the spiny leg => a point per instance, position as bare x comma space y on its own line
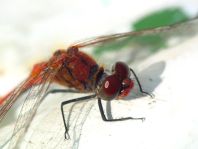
140, 87
114, 120
70, 101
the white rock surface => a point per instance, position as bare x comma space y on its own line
171, 118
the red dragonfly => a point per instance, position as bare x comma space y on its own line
75, 69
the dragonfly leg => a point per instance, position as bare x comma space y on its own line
114, 120
54, 91
62, 111
140, 87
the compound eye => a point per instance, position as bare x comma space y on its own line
111, 87
121, 70
127, 85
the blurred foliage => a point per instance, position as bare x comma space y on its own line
163, 17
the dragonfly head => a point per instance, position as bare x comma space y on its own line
118, 84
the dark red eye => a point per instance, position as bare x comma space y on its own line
111, 87
121, 70
127, 85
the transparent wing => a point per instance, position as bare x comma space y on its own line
11, 98
190, 27
32, 102
49, 132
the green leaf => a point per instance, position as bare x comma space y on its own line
163, 17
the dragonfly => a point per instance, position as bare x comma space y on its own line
73, 68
